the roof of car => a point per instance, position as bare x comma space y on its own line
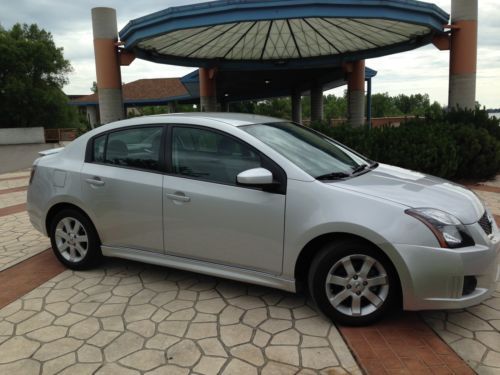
235, 119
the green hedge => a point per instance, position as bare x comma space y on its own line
459, 145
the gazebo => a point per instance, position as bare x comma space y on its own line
255, 48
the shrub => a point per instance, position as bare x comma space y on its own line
454, 145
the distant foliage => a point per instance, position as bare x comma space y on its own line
32, 73
460, 144
335, 107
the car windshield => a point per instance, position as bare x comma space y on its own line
313, 152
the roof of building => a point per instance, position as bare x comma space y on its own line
159, 91
145, 91
282, 34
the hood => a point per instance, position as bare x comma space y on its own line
417, 190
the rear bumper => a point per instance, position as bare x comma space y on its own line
35, 212
434, 278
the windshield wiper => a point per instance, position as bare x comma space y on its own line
359, 168
333, 176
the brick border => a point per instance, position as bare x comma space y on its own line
27, 275
402, 345
10, 210
14, 178
13, 190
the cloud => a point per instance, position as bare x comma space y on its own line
421, 71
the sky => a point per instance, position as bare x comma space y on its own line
424, 70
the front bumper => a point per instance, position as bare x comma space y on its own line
433, 278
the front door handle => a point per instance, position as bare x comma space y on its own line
180, 197
96, 181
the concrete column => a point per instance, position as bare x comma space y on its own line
91, 112
317, 102
172, 108
356, 94
369, 102
463, 54
296, 106
107, 65
208, 92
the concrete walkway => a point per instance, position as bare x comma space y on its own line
16, 157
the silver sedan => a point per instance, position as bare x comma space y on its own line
265, 201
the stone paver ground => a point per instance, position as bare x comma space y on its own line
19, 240
133, 318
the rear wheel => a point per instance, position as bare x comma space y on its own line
74, 240
352, 282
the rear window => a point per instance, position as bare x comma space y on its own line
134, 148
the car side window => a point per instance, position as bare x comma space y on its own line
135, 148
210, 156
99, 147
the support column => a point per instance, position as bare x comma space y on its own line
369, 102
208, 93
172, 107
91, 115
317, 102
109, 82
463, 54
356, 94
296, 106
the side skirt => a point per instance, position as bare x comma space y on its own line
212, 269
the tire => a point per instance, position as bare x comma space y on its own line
352, 282
74, 240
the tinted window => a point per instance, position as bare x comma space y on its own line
210, 156
99, 144
136, 148
311, 151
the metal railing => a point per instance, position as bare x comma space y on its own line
60, 134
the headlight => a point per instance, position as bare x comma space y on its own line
449, 231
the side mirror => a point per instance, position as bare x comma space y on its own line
256, 176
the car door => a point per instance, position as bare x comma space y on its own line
122, 187
207, 216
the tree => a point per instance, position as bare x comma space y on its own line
94, 87
384, 105
32, 73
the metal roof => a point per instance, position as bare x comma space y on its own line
277, 33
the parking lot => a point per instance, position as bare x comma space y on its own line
131, 318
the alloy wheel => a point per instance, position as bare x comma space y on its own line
357, 285
71, 239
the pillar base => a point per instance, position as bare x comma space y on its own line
317, 103
296, 107
208, 104
356, 108
110, 105
463, 91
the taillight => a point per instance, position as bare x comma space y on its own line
32, 174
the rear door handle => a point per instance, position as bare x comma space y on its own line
96, 181
180, 197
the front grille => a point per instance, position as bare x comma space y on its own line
486, 224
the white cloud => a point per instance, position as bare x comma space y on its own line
421, 71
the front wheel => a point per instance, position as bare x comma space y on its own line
74, 240
352, 282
